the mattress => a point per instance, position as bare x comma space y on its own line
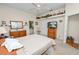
34, 44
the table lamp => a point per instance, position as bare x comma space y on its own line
2, 31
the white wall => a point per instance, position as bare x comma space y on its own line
60, 27
11, 14
72, 8
73, 27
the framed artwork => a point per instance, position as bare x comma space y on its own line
60, 20
3, 23
36, 23
25, 23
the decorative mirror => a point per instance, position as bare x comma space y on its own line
16, 24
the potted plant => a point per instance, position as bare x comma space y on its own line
70, 39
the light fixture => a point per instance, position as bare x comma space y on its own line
38, 5
3, 30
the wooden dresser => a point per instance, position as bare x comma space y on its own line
51, 33
16, 34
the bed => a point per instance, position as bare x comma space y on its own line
34, 45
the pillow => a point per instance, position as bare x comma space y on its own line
11, 44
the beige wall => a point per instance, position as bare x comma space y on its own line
11, 14
73, 27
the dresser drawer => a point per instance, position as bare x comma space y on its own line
22, 33
18, 33
52, 33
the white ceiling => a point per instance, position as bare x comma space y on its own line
33, 9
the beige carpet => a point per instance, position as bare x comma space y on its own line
64, 49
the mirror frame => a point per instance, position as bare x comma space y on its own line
16, 22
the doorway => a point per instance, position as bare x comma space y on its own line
31, 27
73, 27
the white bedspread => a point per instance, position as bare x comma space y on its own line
34, 44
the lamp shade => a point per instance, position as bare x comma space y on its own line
2, 30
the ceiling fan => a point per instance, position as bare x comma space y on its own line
36, 5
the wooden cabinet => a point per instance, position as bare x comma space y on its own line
51, 33
14, 34
22, 33
72, 43
18, 33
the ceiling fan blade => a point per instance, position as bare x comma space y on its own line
34, 4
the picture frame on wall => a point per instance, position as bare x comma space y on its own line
3, 23
25, 23
36, 23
